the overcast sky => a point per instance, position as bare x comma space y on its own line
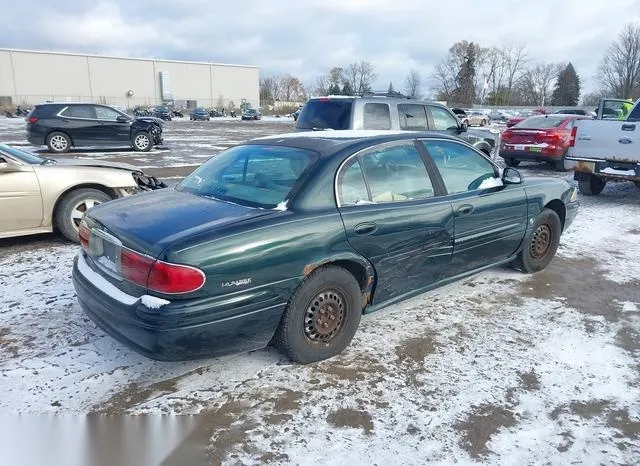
307, 37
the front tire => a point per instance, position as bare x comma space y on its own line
541, 244
58, 142
483, 122
510, 162
321, 317
142, 141
72, 208
592, 186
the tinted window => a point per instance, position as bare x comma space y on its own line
461, 168
635, 114
326, 114
377, 116
80, 111
412, 117
104, 113
351, 185
442, 120
541, 122
396, 174
254, 175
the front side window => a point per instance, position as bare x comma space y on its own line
396, 173
462, 169
253, 175
377, 116
442, 119
104, 113
412, 117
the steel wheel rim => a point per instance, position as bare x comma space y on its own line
80, 209
324, 317
58, 142
141, 141
541, 241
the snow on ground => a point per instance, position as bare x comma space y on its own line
501, 367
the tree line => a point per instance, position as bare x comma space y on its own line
472, 74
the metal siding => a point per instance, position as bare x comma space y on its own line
235, 84
7, 86
111, 78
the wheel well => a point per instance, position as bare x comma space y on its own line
108, 191
354, 268
558, 207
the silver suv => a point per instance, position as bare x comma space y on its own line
375, 112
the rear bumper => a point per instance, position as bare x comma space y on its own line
528, 155
609, 169
35, 137
182, 329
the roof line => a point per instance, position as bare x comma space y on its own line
72, 54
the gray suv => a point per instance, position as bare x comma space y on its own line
385, 113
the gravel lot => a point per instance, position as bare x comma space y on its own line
501, 368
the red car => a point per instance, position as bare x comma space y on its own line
543, 138
515, 120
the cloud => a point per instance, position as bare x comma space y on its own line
307, 38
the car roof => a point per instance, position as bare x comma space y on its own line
329, 142
379, 98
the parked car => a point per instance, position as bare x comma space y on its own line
385, 112
500, 116
61, 126
38, 195
523, 115
542, 138
476, 118
605, 150
575, 111
290, 238
199, 114
251, 114
162, 112
296, 113
462, 115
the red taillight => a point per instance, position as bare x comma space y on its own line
174, 278
135, 267
572, 139
159, 276
32, 119
83, 234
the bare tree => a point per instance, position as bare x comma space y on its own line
269, 89
514, 61
292, 89
445, 80
536, 84
413, 84
322, 85
359, 76
620, 68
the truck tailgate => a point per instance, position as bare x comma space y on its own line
607, 139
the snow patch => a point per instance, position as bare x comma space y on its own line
102, 284
490, 183
282, 206
153, 302
613, 171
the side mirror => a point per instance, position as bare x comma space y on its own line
122, 119
511, 176
464, 126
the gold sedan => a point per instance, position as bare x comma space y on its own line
42, 195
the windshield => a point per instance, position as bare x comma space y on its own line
325, 114
253, 175
26, 157
541, 122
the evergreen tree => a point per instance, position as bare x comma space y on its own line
346, 89
334, 89
465, 93
390, 90
567, 89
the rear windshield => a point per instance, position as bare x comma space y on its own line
325, 114
541, 122
253, 175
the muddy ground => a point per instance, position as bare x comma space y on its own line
499, 368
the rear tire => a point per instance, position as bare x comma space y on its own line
591, 186
58, 142
559, 165
541, 244
483, 122
72, 207
510, 162
321, 317
142, 141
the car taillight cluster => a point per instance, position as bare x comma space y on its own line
159, 276
572, 139
32, 119
83, 234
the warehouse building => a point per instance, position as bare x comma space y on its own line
30, 77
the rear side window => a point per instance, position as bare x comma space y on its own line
351, 185
377, 116
412, 117
79, 111
326, 114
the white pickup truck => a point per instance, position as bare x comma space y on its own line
606, 148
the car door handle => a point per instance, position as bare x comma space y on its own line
628, 127
464, 209
365, 228
625, 141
